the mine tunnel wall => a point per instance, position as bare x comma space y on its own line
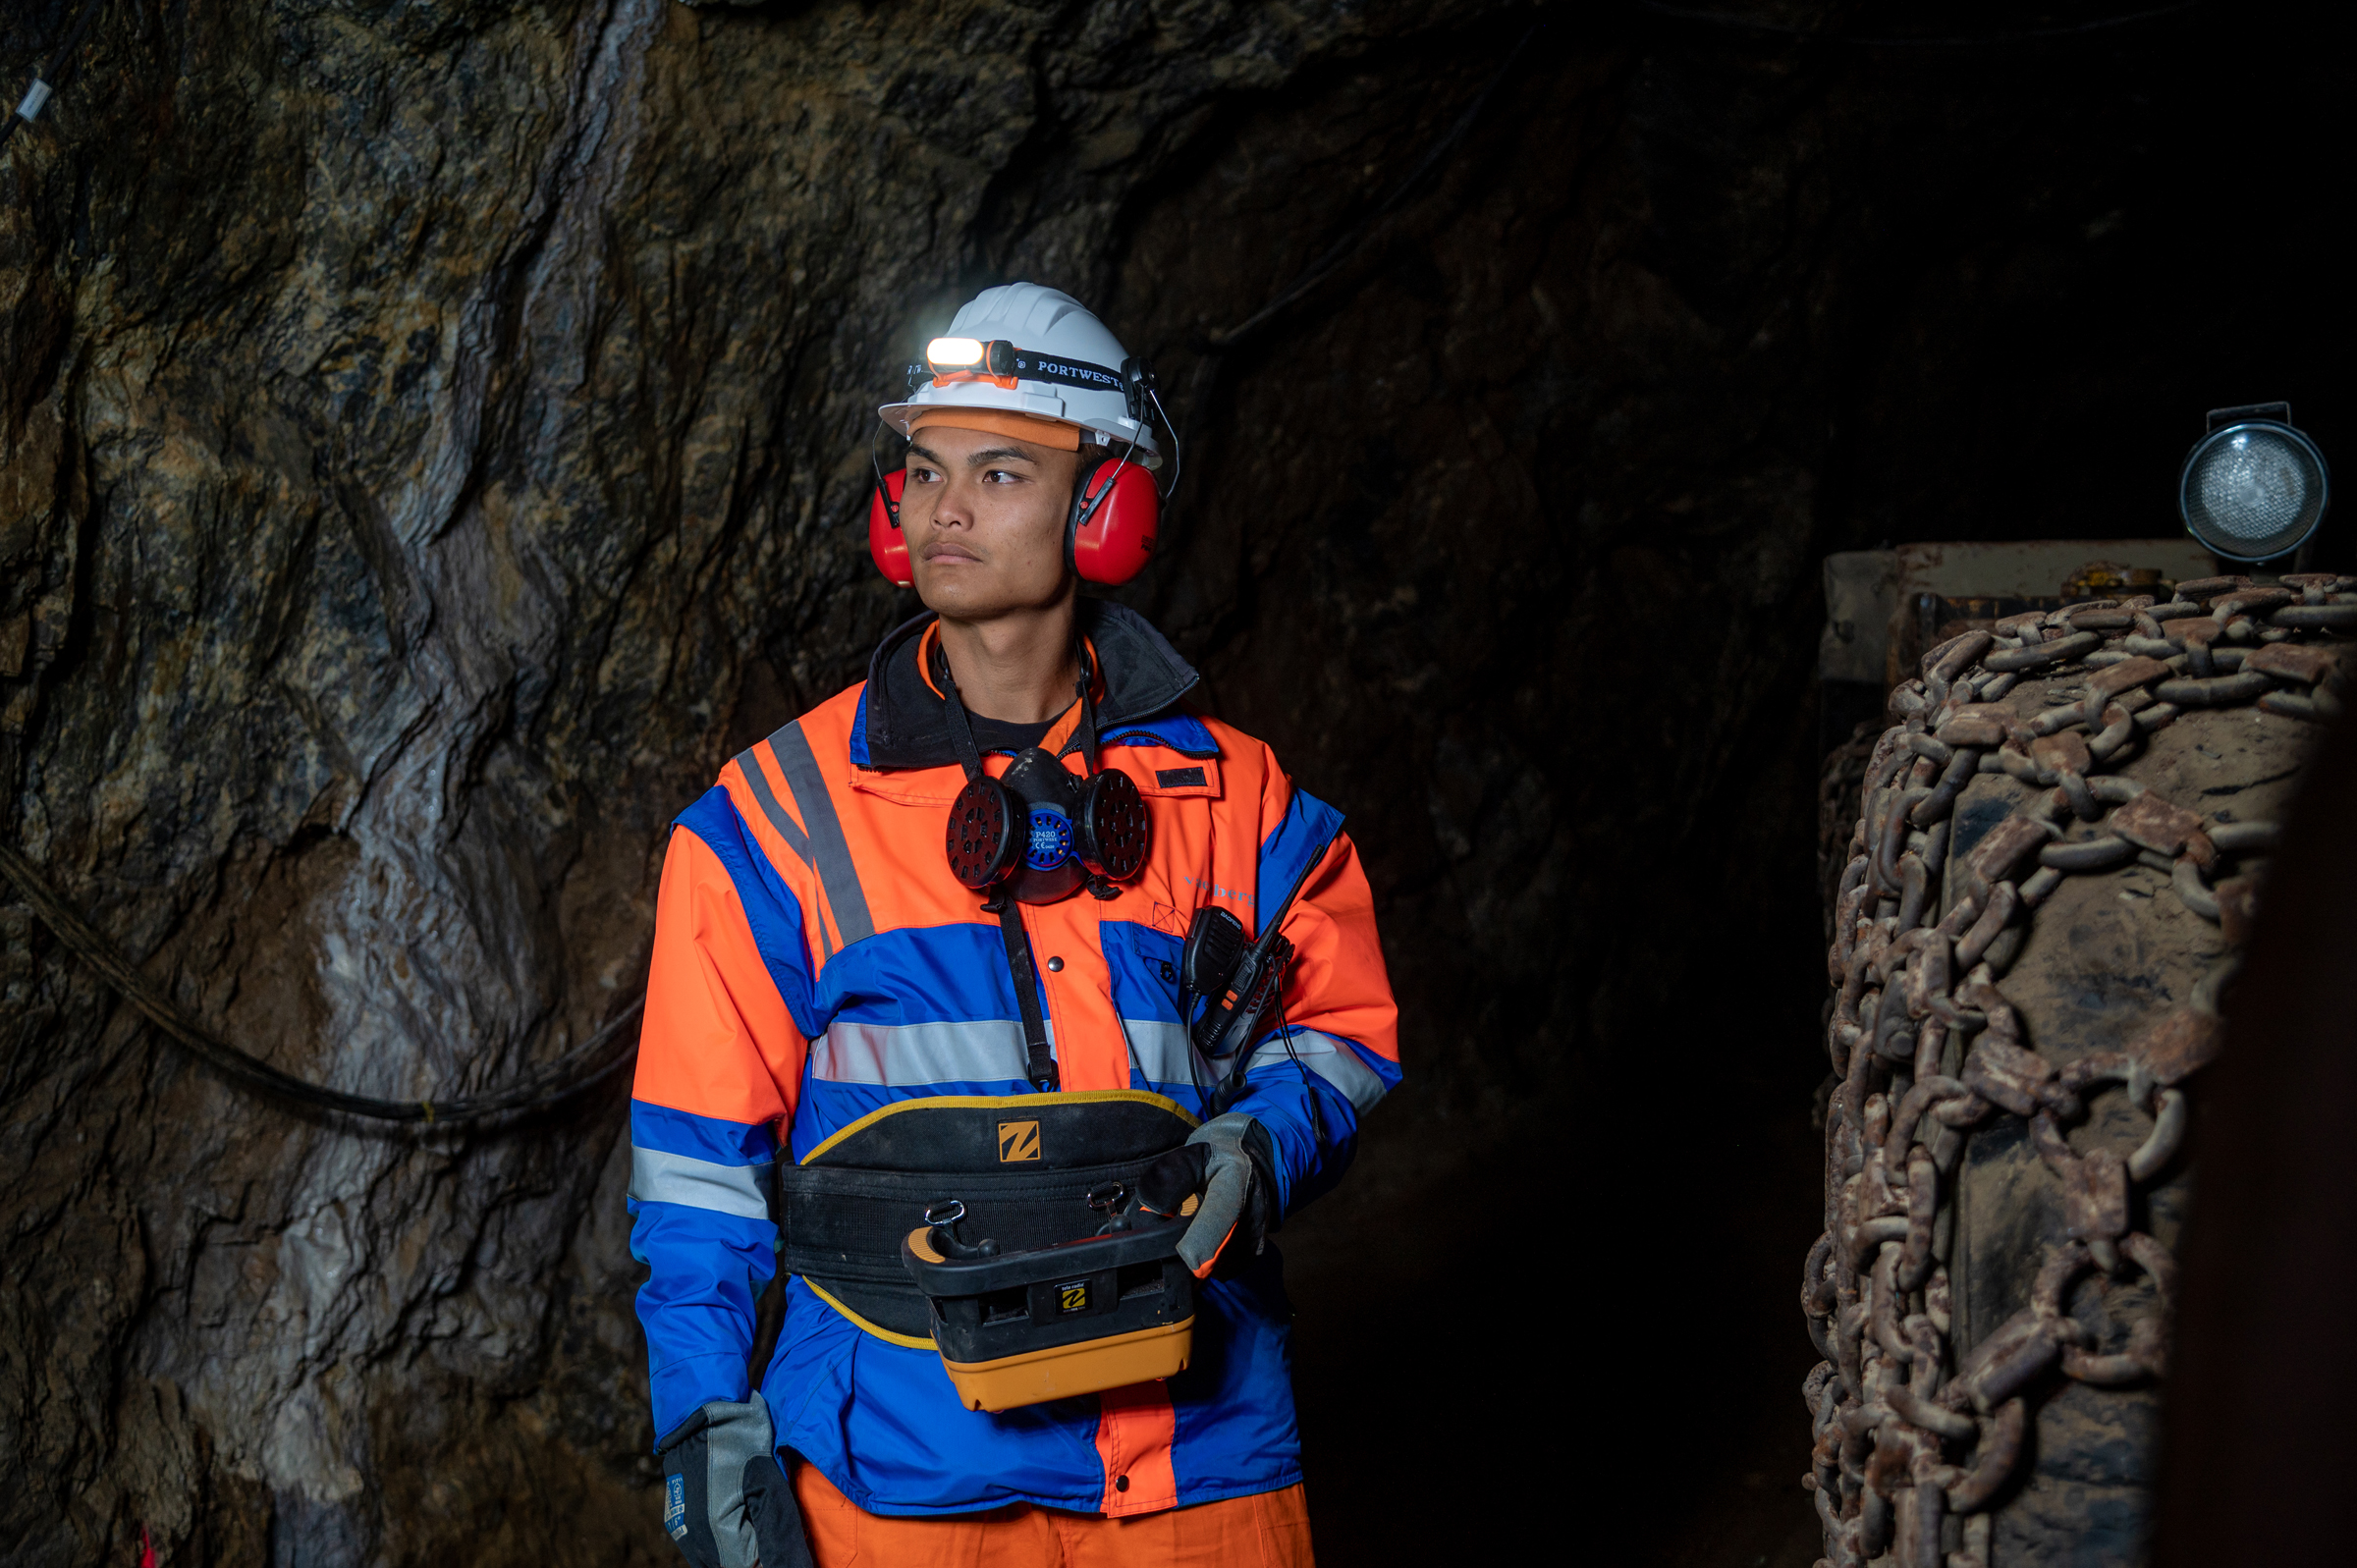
436, 435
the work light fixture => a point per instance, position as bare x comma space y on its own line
2254, 488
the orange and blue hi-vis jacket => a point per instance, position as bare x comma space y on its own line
815, 960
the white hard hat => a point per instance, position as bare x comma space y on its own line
1022, 348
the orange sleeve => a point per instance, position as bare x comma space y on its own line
720, 1039
1336, 982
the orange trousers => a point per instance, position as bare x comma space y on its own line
1269, 1531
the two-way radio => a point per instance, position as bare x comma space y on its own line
1238, 980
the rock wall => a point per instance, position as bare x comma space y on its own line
433, 434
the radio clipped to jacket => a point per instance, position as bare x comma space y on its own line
1235, 980
1234, 983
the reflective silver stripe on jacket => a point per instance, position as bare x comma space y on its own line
830, 850
824, 848
1330, 1058
905, 1056
1160, 1051
657, 1177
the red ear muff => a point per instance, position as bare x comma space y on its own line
887, 545
1114, 520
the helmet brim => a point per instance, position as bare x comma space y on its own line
1036, 398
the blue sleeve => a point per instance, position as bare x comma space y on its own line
701, 1221
726, 1032
1295, 1089
1315, 1071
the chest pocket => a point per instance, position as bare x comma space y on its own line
1151, 968
1160, 771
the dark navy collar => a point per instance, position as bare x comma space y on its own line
904, 723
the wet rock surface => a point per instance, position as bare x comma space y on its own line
433, 435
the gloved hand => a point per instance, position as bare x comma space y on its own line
725, 1500
1230, 1162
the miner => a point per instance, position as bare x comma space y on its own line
1027, 997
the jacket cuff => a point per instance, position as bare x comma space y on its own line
1286, 1104
683, 1388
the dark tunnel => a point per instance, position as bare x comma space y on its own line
435, 436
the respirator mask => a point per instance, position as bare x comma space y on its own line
1039, 833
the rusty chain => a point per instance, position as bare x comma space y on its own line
1925, 1046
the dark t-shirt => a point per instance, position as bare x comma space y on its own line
996, 734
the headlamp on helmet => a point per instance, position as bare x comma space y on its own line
1037, 354
960, 358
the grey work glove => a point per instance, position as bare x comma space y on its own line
1231, 1163
726, 1501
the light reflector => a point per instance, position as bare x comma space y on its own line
2253, 490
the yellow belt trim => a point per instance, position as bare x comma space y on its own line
878, 1329
1083, 1096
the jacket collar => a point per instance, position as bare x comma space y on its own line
905, 724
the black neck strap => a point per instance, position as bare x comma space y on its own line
1039, 1062
1088, 707
961, 730
962, 727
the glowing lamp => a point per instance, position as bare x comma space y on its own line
2254, 488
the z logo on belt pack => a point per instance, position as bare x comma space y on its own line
1017, 1141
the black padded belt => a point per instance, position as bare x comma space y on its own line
1025, 1168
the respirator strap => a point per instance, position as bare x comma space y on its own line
1088, 709
961, 730
1098, 887
1039, 1062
